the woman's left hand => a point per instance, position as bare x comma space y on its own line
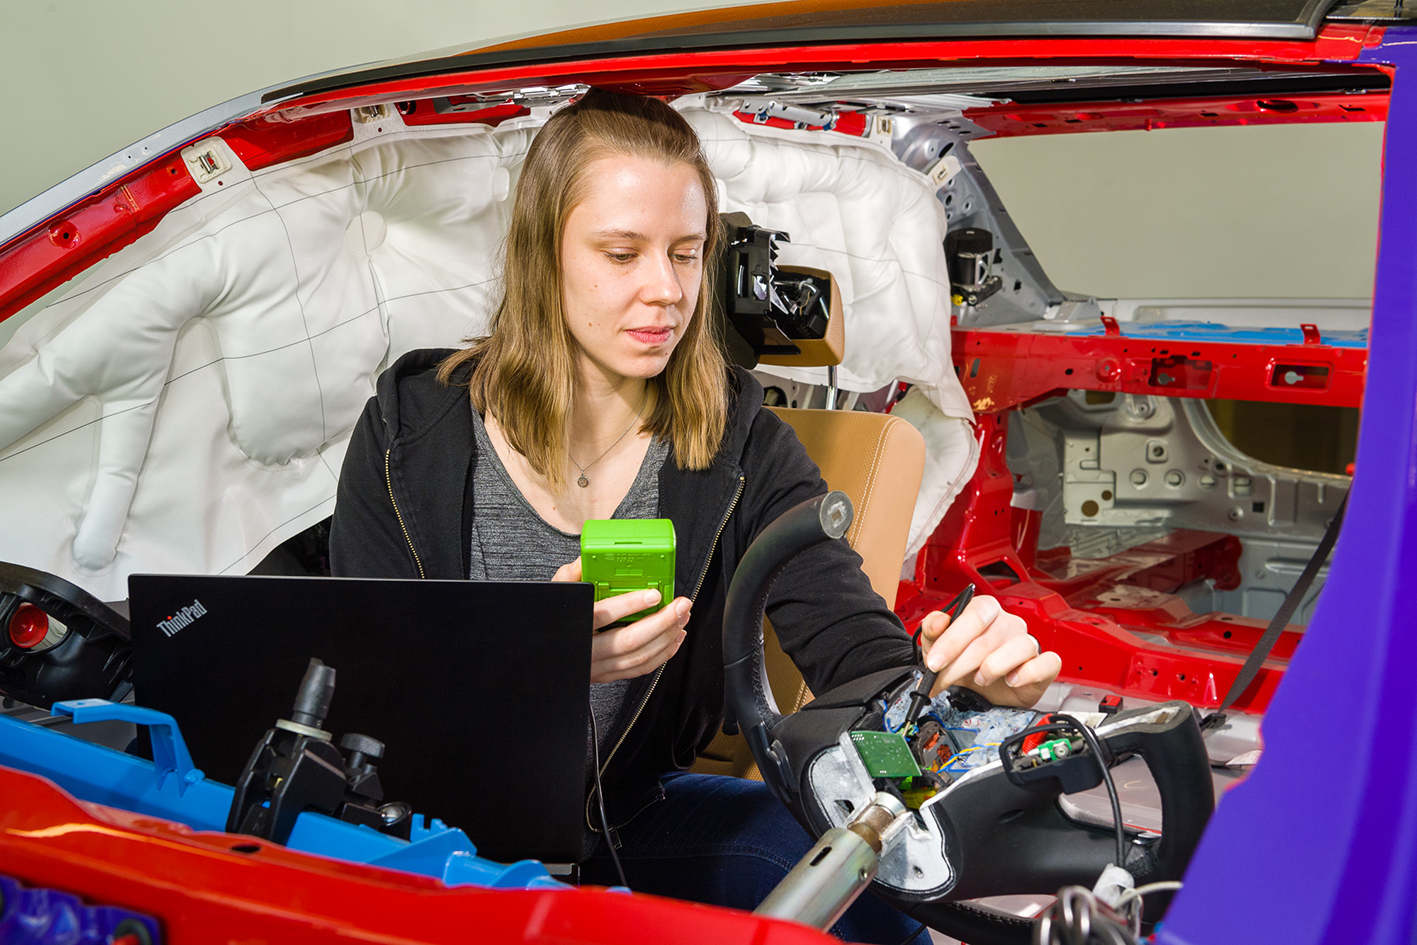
990, 651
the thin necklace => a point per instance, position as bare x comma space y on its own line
583, 481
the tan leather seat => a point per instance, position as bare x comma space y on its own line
878, 461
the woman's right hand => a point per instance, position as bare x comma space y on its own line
637, 648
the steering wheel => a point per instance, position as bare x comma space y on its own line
997, 829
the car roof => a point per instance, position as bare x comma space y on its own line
804, 22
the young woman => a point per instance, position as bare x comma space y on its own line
601, 392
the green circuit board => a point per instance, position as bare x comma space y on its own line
885, 754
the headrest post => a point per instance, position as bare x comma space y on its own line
831, 387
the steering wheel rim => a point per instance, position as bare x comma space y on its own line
748, 697
1172, 749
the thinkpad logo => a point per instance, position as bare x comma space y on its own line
183, 618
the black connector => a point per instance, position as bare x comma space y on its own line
312, 702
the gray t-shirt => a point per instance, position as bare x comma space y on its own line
512, 542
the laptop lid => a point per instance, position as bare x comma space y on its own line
478, 690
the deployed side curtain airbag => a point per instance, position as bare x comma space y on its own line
187, 406
852, 208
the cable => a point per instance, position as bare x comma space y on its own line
1130, 896
1091, 740
1078, 918
885, 719
964, 751
600, 799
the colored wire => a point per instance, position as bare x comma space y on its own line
600, 800
1091, 739
885, 718
950, 765
1130, 901
954, 759
965, 751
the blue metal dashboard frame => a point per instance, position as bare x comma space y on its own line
171, 788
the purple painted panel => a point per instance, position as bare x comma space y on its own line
1319, 843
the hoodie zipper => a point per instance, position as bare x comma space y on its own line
660, 671
389, 480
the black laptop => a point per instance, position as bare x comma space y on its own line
479, 690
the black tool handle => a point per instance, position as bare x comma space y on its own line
921, 695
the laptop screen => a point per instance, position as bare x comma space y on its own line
478, 690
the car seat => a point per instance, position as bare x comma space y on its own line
876, 459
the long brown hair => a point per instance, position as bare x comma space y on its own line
524, 369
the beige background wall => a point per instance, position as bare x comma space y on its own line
83, 78
1280, 211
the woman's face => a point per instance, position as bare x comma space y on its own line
631, 264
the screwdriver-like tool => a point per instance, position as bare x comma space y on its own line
920, 695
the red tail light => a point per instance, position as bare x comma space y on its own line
28, 626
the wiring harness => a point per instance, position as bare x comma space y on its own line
1080, 917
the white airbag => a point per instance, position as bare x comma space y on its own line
187, 407
853, 209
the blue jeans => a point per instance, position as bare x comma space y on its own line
727, 842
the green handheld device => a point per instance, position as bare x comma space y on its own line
619, 555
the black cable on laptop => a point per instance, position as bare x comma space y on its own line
600, 799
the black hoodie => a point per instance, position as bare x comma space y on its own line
405, 506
